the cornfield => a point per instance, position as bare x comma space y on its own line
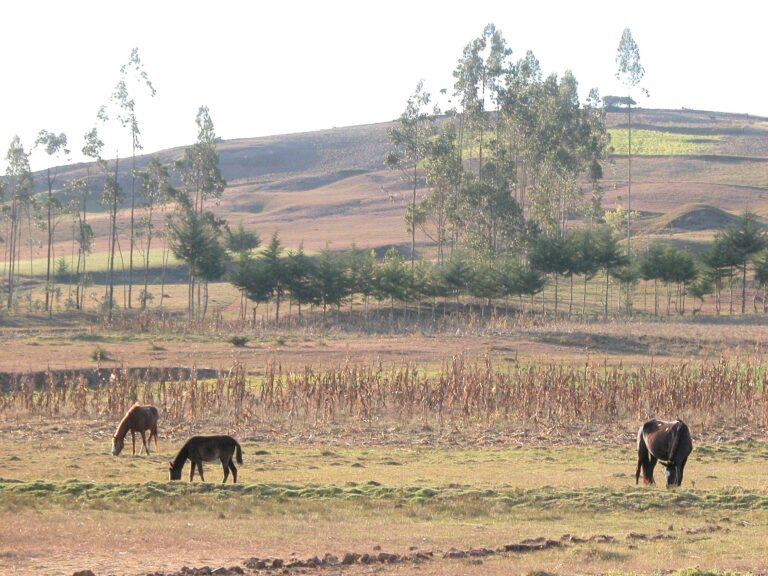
460, 393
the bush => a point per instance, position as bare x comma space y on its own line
99, 354
238, 341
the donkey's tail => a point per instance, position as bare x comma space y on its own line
239, 453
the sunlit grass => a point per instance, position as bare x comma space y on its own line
97, 262
658, 143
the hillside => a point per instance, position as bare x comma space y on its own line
330, 186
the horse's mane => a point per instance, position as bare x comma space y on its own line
122, 427
181, 457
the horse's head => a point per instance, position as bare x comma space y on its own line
117, 445
173, 473
672, 475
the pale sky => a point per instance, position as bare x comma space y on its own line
284, 66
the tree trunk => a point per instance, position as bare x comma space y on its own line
113, 242
48, 303
743, 287
730, 292
133, 205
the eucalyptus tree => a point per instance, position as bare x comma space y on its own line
410, 138
19, 184
200, 177
132, 72
199, 167
630, 73
92, 148
55, 146
77, 189
438, 210
157, 190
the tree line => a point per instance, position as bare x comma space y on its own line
572, 264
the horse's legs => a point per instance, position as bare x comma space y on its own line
192, 470
642, 457
154, 433
643, 460
144, 443
234, 471
649, 471
226, 471
133, 438
680, 471
200, 470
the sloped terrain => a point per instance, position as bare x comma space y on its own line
330, 187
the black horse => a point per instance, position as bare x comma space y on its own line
666, 442
199, 449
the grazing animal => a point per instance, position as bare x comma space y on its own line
138, 419
199, 449
666, 442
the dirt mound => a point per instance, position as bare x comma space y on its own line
692, 218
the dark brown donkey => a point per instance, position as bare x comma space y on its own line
199, 449
667, 442
138, 419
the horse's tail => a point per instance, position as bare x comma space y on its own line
642, 455
239, 452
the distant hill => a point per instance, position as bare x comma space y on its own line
695, 168
690, 218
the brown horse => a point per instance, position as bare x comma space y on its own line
199, 449
137, 419
667, 442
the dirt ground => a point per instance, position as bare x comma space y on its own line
629, 343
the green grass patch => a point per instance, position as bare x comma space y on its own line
450, 499
99, 262
660, 143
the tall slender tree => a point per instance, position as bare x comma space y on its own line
131, 72
55, 146
19, 189
156, 189
629, 72
411, 138
201, 178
